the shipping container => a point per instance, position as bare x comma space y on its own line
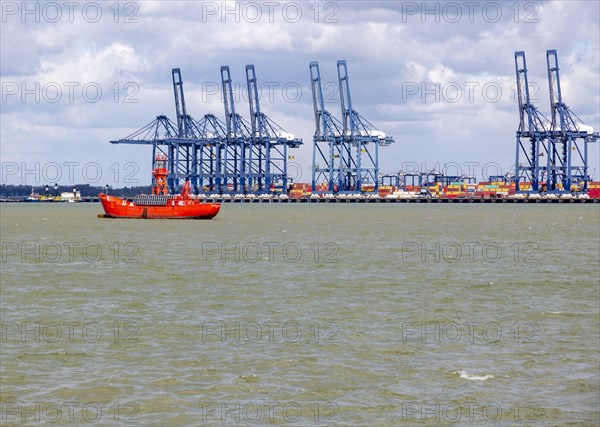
594, 193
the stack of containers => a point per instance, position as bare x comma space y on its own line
471, 190
594, 190
481, 186
415, 188
368, 188
455, 189
321, 188
503, 188
492, 189
300, 190
524, 186
386, 190
435, 189
296, 194
577, 187
308, 190
480, 189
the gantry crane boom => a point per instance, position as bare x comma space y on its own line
180, 110
257, 156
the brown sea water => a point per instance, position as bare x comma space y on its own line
302, 315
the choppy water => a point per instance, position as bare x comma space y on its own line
302, 315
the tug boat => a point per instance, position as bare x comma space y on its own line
159, 204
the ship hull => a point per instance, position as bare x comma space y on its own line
115, 207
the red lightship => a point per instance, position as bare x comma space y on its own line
159, 204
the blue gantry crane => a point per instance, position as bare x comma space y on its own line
179, 141
532, 131
214, 132
360, 136
562, 140
182, 151
219, 157
233, 159
349, 150
267, 148
327, 137
568, 138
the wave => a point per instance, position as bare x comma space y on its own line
467, 376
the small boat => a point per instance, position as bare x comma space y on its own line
33, 197
159, 204
71, 196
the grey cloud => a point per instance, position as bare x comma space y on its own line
386, 48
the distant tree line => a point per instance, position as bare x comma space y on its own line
85, 190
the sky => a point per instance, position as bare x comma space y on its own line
437, 76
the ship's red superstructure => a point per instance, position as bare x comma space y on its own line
160, 172
160, 204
